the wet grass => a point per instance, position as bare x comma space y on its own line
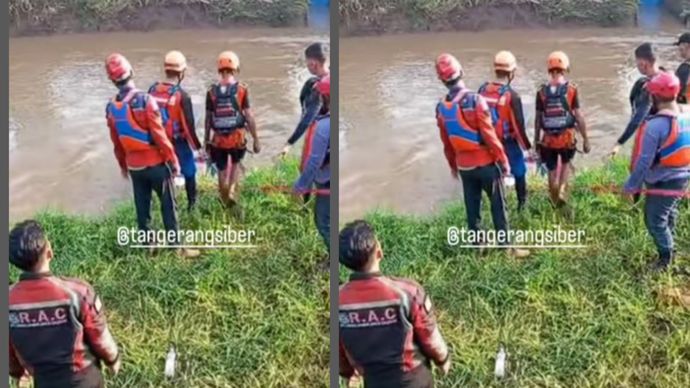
239, 318
569, 318
385, 15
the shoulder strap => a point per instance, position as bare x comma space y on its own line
233, 97
482, 88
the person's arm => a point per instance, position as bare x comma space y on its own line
118, 149
160, 138
683, 74
188, 120
448, 150
17, 370
519, 120
538, 109
426, 332
488, 133
96, 332
251, 121
580, 123
312, 108
346, 369
207, 119
651, 141
642, 106
316, 157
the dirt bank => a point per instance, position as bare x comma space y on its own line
371, 17
41, 17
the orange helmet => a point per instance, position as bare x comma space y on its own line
118, 67
228, 60
505, 60
175, 61
448, 67
558, 61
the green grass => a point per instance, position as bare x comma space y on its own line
569, 318
240, 318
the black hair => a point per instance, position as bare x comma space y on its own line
27, 244
357, 245
503, 73
318, 51
172, 73
645, 51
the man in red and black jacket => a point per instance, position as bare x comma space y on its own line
388, 332
58, 331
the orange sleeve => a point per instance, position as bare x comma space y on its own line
155, 125
488, 132
118, 150
447, 146
96, 330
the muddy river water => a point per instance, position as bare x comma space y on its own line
60, 151
390, 152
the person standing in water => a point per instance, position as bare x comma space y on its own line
661, 162
317, 171
557, 118
640, 101
316, 55
177, 114
228, 117
142, 148
683, 71
507, 117
472, 148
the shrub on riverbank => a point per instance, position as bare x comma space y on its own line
570, 318
31, 16
243, 317
390, 15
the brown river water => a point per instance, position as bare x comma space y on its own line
60, 151
391, 156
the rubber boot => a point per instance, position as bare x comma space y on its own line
187, 253
518, 253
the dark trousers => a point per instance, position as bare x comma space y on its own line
484, 179
322, 214
90, 377
660, 215
159, 179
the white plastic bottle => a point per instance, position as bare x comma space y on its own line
170, 360
500, 369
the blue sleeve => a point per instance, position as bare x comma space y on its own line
641, 108
650, 144
313, 106
316, 157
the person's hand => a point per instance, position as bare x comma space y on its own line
124, 173
454, 173
615, 150
256, 145
115, 367
355, 381
284, 151
24, 381
585, 146
445, 368
175, 167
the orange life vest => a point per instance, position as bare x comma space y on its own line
675, 151
169, 99
499, 99
309, 141
557, 119
132, 136
227, 121
463, 136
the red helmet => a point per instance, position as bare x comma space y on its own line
118, 67
448, 67
323, 86
664, 84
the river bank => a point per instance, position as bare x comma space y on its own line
360, 17
40, 17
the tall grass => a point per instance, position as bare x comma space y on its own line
239, 318
431, 14
569, 318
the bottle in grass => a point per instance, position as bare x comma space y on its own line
500, 369
170, 361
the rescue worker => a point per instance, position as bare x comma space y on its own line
661, 161
142, 148
640, 101
472, 147
683, 71
316, 171
58, 332
508, 119
388, 331
557, 118
177, 113
228, 117
316, 55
